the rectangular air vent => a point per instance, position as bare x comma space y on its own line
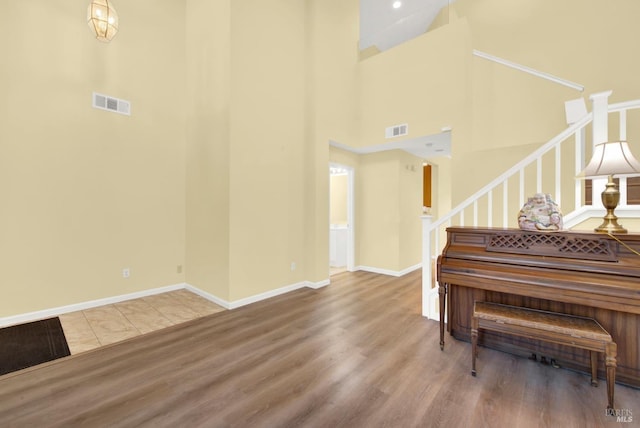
116, 105
396, 131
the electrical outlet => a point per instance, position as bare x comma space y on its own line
126, 273
179, 269
293, 266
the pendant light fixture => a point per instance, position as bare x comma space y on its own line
102, 18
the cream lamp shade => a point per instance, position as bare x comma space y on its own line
609, 159
102, 18
613, 158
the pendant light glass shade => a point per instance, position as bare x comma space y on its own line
102, 18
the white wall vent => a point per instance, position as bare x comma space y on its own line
105, 102
396, 131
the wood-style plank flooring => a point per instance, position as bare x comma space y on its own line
356, 353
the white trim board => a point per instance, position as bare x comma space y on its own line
53, 312
396, 273
277, 292
529, 70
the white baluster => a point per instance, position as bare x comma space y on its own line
539, 175
600, 126
558, 172
505, 203
522, 197
579, 165
490, 208
475, 213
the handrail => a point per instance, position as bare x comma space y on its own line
624, 105
529, 70
431, 230
516, 168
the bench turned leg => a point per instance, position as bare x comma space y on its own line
474, 344
611, 352
594, 368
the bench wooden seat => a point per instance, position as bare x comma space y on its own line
570, 330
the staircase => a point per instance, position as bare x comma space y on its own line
553, 165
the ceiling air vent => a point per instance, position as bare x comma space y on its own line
396, 131
105, 102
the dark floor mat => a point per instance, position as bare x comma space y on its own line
33, 343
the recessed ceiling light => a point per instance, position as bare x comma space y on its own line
397, 4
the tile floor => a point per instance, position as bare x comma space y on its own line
103, 325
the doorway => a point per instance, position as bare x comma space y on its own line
341, 218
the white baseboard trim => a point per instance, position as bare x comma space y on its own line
276, 292
54, 312
210, 297
390, 272
258, 297
266, 295
319, 284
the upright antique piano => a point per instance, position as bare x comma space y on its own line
578, 273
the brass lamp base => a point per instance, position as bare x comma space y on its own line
610, 198
610, 226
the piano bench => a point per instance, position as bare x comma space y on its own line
563, 329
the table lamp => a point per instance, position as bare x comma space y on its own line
609, 159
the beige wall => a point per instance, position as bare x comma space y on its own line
389, 195
247, 144
410, 209
332, 113
278, 81
267, 174
583, 41
378, 212
208, 54
388, 206
86, 193
498, 115
222, 168
631, 224
423, 82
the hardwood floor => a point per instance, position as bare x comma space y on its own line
356, 353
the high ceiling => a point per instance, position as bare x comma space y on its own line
384, 26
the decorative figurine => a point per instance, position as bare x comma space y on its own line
540, 213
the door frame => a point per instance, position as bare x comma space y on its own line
350, 212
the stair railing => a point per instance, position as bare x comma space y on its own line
546, 161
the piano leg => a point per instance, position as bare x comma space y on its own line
442, 294
474, 343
